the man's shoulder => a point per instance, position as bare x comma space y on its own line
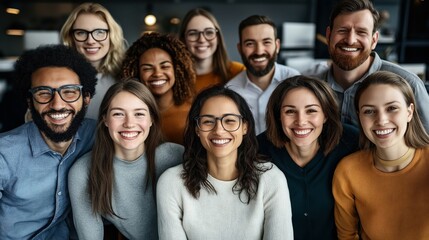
16, 135
411, 77
237, 81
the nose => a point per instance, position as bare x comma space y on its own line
57, 102
128, 122
382, 119
90, 39
301, 119
351, 38
259, 49
218, 126
201, 37
157, 71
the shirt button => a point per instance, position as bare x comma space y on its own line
305, 214
59, 193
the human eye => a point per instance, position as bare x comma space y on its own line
43, 93
368, 111
210, 32
192, 33
116, 113
268, 42
249, 44
80, 32
230, 119
140, 114
208, 121
392, 108
289, 111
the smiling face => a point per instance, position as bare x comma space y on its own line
93, 50
201, 49
129, 121
302, 118
258, 49
219, 143
157, 71
350, 41
384, 116
57, 120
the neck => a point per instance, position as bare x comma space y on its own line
262, 82
346, 78
391, 161
222, 169
302, 155
129, 155
203, 66
165, 101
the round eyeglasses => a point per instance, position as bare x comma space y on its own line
68, 93
81, 35
208, 33
229, 122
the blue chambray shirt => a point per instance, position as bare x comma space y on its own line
34, 199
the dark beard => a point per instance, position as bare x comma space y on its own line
348, 63
262, 72
53, 135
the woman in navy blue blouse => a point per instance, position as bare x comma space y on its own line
306, 139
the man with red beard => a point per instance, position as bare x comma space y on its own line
35, 158
352, 36
258, 48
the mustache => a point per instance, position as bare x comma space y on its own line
253, 56
348, 46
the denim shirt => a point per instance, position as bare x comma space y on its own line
346, 97
34, 199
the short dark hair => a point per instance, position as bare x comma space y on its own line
54, 56
350, 6
332, 128
256, 20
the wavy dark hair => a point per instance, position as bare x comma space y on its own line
351, 6
101, 175
415, 135
332, 128
54, 56
221, 61
195, 167
184, 87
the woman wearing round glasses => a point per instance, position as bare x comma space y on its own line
91, 29
223, 189
202, 35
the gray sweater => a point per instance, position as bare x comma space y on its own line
222, 215
130, 199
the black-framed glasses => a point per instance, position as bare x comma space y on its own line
229, 122
99, 34
68, 93
208, 33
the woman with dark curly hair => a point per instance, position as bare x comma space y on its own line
202, 35
223, 190
163, 64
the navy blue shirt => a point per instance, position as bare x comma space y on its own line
310, 187
34, 199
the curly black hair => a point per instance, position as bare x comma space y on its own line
184, 88
54, 56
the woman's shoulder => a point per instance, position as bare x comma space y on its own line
235, 68
357, 160
270, 171
170, 147
80, 166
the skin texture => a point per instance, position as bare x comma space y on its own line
302, 121
384, 118
93, 50
221, 145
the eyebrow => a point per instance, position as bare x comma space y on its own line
369, 105
122, 109
150, 65
306, 106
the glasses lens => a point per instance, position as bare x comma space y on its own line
210, 33
99, 34
192, 35
42, 95
231, 122
80, 35
70, 93
206, 123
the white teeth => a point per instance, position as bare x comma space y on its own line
259, 59
383, 132
221, 141
59, 116
158, 83
350, 49
202, 48
91, 50
129, 134
302, 132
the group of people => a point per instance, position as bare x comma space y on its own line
169, 139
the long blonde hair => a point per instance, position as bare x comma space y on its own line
111, 64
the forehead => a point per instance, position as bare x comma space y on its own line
127, 101
379, 94
300, 95
155, 55
218, 106
199, 23
89, 21
257, 31
54, 77
361, 19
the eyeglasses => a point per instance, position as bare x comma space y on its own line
98, 34
208, 33
68, 93
229, 122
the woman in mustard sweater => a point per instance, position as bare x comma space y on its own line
382, 192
